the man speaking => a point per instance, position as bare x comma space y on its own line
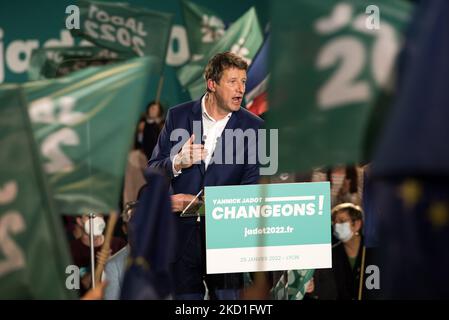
208, 157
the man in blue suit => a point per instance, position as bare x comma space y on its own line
207, 130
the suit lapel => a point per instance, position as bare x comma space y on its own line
196, 115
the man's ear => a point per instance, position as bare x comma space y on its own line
79, 221
211, 85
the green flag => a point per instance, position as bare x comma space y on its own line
294, 287
204, 28
33, 247
49, 63
243, 38
84, 124
331, 63
130, 31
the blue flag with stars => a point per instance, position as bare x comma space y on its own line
411, 165
151, 239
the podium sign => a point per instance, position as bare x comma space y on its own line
268, 227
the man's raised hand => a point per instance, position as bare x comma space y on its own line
190, 154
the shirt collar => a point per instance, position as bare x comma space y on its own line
204, 111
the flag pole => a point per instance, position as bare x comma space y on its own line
113, 217
362, 268
159, 89
286, 284
92, 249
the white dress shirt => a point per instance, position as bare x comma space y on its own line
212, 130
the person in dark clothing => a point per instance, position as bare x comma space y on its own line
153, 125
349, 257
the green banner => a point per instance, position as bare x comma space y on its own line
55, 62
203, 26
21, 32
244, 38
332, 64
33, 247
268, 227
84, 124
128, 30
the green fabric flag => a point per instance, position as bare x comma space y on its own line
84, 124
33, 248
295, 287
55, 62
128, 30
331, 65
204, 28
244, 38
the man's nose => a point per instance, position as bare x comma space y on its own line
241, 88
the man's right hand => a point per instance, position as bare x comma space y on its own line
180, 201
190, 154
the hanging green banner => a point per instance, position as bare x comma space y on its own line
204, 28
33, 248
128, 30
332, 64
243, 38
49, 63
83, 125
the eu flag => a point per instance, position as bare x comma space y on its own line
411, 165
152, 239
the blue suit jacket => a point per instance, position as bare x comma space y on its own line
196, 177
193, 179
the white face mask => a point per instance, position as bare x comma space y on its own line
343, 231
98, 226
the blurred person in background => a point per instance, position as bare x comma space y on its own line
135, 167
115, 267
154, 122
346, 183
348, 190
346, 279
347, 221
80, 248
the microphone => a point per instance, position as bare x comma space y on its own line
184, 212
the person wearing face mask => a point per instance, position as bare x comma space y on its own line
343, 280
80, 248
349, 251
